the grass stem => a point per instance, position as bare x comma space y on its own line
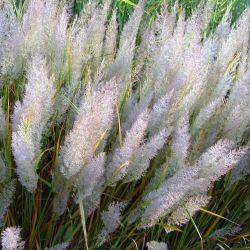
83, 224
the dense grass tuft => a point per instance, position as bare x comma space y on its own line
124, 124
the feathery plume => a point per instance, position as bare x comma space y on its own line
130, 29
62, 191
96, 31
226, 231
3, 169
123, 62
2, 121
242, 169
30, 120
167, 197
61, 246
12, 44
205, 114
57, 46
6, 198
123, 156
235, 43
159, 115
182, 214
109, 49
38, 24
247, 206
90, 176
219, 159
133, 109
111, 220
180, 145
95, 118
145, 153
154, 245
11, 239
92, 202
214, 163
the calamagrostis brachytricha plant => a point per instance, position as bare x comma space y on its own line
170, 111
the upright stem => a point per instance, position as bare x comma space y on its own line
83, 224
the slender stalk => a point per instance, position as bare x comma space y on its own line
196, 228
83, 224
119, 127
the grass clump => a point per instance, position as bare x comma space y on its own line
115, 136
